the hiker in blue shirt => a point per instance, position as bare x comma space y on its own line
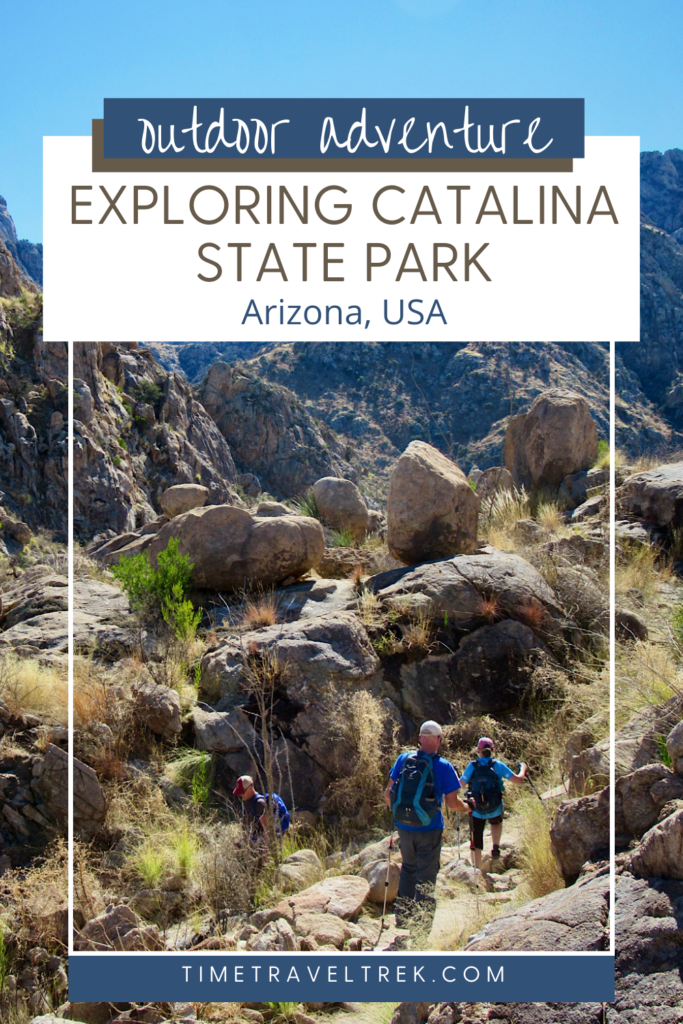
486, 779
261, 820
420, 782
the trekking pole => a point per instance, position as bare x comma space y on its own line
457, 826
386, 886
545, 806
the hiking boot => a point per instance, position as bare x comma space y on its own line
495, 853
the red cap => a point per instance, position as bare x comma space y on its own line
243, 784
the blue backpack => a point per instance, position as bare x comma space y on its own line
414, 795
485, 786
280, 812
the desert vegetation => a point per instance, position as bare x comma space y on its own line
301, 639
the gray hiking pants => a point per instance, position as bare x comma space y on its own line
420, 853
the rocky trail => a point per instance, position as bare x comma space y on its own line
415, 614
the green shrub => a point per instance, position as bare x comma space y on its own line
122, 443
602, 461
149, 865
161, 590
201, 786
185, 847
342, 539
149, 392
116, 460
187, 763
664, 755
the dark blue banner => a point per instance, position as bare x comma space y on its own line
359, 977
350, 129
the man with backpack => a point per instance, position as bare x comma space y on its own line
485, 778
420, 782
263, 809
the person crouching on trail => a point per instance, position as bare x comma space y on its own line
420, 782
265, 813
485, 778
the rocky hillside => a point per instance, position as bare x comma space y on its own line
27, 256
33, 410
138, 429
350, 409
458, 402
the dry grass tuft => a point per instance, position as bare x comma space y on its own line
27, 685
360, 793
262, 612
489, 607
549, 516
417, 634
641, 567
647, 675
38, 896
357, 575
369, 608
541, 874
469, 915
532, 614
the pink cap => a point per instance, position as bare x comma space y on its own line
485, 742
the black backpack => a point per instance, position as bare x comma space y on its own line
414, 795
485, 786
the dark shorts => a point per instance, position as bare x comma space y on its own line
478, 830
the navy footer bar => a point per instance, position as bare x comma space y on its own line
355, 976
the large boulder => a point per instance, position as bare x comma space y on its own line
341, 505
299, 870
636, 744
580, 832
119, 928
326, 737
50, 784
492, 668
490, 673
342, 896
556, 438
580, 829
640, 797
568, 919
469, 589
494, 480
660, 853
649, 985
432, 510
159, 708
655, 495
311, 655
183, 497
231, 549
222, 732
573, 490
376, 874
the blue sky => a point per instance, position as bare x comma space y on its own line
61, 57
